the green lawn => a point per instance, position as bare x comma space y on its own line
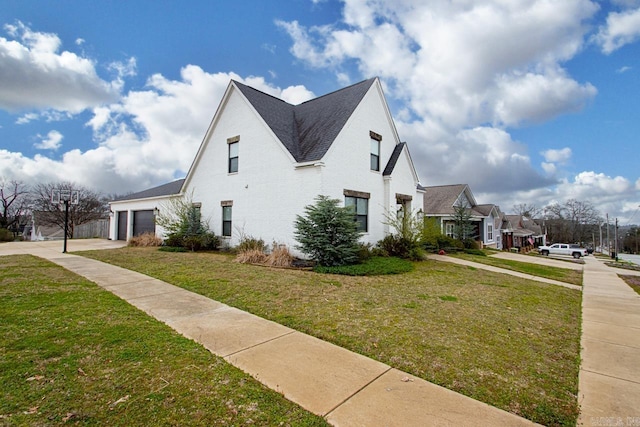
74, 354
509, 342
565, 275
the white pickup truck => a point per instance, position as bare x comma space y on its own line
563, 249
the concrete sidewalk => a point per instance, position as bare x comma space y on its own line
444, 258
346, 388
609, 390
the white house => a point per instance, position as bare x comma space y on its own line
262, 160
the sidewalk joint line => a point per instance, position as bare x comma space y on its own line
356, 392
611, 376
260, 343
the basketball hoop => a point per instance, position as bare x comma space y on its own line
66, 197
62, 196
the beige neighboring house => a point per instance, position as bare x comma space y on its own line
441, 201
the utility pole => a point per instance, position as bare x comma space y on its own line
616, 237
608, 242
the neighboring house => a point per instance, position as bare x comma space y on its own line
263, 160
521, 233
441, 201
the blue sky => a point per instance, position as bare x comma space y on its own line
527, 102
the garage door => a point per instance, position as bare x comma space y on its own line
143, 222
122, 225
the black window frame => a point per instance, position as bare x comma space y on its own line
232, 166
362, 219
227, 223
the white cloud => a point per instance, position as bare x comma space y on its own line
623, 69
147, 138
557, 156
36, 75
51, 141
621, 28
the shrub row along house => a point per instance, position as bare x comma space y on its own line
263, 160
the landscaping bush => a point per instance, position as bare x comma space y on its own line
328, 233
397, 246
279, 256
185, 228
248, 243
145, 240
6, 235
376, 266
251, 256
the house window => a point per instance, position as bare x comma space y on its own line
360, 208
489, 232
449, 229
375, 151
226, 218
233, 157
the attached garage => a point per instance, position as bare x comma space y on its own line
133, 214
143, 222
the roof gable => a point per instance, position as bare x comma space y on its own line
307, 130
442, 199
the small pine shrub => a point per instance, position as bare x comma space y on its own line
279, 256
251, 256
145, 240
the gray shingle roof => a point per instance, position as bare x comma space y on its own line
161, 190
307, 130
440, 199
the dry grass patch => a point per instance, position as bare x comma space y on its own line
509, 342
145, 240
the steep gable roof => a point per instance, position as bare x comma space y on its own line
307, 130
159, 191
441, 199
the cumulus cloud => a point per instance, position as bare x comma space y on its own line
51, 141
620, 29
35, 74
147, 138
464, 72
557, 156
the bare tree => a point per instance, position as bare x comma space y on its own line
14, 200
572, 221
527, 210
91, 206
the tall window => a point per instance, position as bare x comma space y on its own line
226, 221
489, 232
375, 155
360, 208
233, 157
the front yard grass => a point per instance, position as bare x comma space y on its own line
509, 342
565, 275
72, 353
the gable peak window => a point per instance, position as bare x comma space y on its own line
375, 151
234, 145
